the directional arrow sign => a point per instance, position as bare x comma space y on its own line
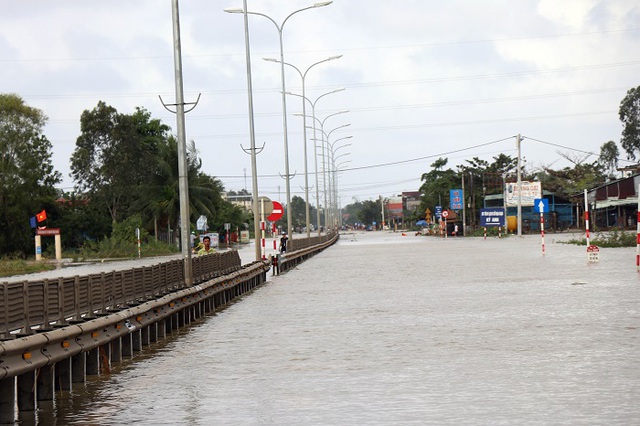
276, 213
541, 205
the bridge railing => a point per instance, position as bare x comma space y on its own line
298, 253
42, 304
300, 243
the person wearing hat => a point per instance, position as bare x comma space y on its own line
193, 240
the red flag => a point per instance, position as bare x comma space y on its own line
42, 216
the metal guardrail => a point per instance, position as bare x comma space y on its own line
29, 305
27, 353
298, 253
300, 243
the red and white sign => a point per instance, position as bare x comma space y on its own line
276, 213
445, 214
593, 254
48, 231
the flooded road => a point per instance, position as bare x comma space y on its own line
389, 329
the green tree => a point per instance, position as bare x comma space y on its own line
570, 181
27, 175
160, 202
371, 211
608, 159
116, 156
298, 212
629, 113
437, 183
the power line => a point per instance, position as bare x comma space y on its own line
572, 149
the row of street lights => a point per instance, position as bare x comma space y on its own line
327, 156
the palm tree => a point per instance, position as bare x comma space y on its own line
161, 201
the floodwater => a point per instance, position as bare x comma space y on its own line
385, 329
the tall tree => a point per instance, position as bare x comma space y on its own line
115, 156
437, 183
161, 201
298, 212
629, 113
370, 212
608, 159
27, 175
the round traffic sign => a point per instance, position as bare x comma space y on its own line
265, 205
277, 212
445, 214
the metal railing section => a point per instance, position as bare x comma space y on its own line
28, 353
38, 305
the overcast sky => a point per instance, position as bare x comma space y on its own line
424, 79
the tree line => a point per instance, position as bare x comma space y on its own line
125, 172
482, 178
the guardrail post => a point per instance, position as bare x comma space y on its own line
25, 308
45, 302
92, 312
162, 329
76, 298
7, 400
136, 337
61, 320
116, 350
26, 391
92, 361
153, 332
145, 336
63, 375
44, 388
79, 368
5, 332
127, 346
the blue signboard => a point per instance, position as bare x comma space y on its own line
541, 205
492, 217
456, 198
438, 212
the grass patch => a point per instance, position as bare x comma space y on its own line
615, 238
9, 267
113, 248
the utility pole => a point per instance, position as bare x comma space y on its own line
518, 143
183, 184
382, 205
464, 205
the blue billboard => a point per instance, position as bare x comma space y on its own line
492, 217
456, 198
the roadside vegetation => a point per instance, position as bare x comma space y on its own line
9, 267
614, 238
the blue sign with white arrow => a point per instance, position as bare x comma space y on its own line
541, 205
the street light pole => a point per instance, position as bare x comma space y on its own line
252, 137
329, 175
284, 97
315, 146
303, 76
332, 184
325, 163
